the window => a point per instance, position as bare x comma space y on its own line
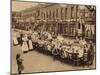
72, 10
61, 13
47, 14
53, 14
65, 12
79, 26
56, 13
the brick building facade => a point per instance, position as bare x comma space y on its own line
64, 19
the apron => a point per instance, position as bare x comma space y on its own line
15, 41
30, 44
25, 45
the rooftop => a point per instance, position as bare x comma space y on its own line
21, 5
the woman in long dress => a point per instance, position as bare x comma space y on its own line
25, 44
30, 44
15, 41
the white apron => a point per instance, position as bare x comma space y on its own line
15, 41
25, 45
30, 44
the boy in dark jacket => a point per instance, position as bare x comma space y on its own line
19, 63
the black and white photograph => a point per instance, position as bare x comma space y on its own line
52, 37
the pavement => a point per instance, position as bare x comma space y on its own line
39, 62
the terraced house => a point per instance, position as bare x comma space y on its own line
64, 19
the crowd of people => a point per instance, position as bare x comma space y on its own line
77, 51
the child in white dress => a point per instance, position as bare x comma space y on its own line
24, 44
